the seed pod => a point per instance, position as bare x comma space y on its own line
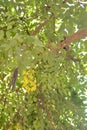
14, 78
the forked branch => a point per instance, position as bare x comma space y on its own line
79, 34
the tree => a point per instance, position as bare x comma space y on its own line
43, 67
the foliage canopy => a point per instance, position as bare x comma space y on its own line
43, 68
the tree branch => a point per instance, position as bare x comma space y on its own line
80, 34
40, 26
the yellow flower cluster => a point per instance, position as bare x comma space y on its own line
29, 80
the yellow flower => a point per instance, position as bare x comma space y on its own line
30, 76
28, 89
33, 88
25, 82
35, 81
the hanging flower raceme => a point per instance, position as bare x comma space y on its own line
29, 80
